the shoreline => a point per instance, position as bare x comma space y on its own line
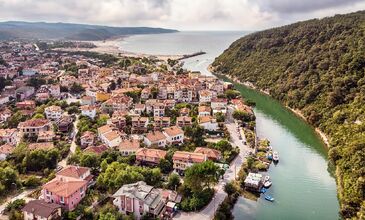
112, 46
297, 112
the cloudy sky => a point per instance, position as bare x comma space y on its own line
178, 14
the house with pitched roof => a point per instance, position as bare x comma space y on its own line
5, 151
183, 159
39, 209
109, 135
208, 122
129, 147
53, 112
212, 154
139, 199
9, 136
68, 188
174, 134
183, 121
32, 127
150, 156
155, 138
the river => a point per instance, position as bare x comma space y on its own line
302, 186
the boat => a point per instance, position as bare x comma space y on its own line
263, 190
267, 184
267, 178
275, 156
269, 198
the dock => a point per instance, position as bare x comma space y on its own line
186, 56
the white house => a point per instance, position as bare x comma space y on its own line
205, 96
155, 138
174, 134
9, 136
88, 110
5, 151
109, 136
53, 112
4, 100
219, 105
204, 110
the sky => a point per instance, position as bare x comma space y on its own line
177, 14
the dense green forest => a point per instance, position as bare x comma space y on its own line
318, 67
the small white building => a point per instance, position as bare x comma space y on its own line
88, 110
155, 138
109, 136
53, 112
174, 134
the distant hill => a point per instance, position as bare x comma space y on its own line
318, 67
66, 31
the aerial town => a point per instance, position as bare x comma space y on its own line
95, 136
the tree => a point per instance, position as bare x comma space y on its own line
223, 145
76, 88
173, 181
196, 133
220, 117
89, 160
201, 176
165, 166
243, 116
38, 116
231, 94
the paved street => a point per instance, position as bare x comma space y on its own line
209, 211
22, 195
73, 146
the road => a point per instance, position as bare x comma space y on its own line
231, 173
73, 146
23, 195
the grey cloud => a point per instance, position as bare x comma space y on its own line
301, 6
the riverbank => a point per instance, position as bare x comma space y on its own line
297, 112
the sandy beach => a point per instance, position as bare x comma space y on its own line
112, 46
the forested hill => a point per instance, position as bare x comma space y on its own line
318, 67
65, 31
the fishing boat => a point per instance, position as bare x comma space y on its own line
269, 198
267, 184
267, 178
275, 156
263, 190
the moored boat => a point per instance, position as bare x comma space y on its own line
267, 184
263, 190
267, 178
269, 198
275, 156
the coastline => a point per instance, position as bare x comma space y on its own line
112, 46
297, 112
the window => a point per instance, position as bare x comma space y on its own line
62, 200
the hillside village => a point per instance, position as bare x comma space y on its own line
133, 137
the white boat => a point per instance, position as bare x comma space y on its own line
275, 156
267, 178
267, 184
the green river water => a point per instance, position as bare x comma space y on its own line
303, 187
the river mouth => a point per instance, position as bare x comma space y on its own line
302, 183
